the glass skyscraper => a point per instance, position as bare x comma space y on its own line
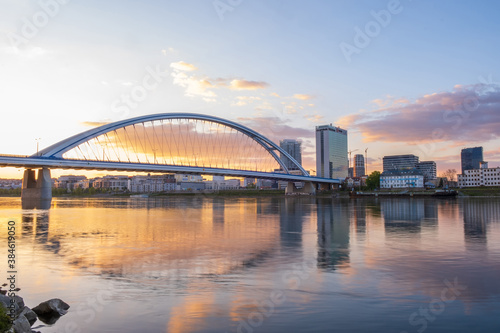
292, 147
399, 162
471, 158
331, 152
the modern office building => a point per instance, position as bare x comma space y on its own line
428, 169
292, 147
401, 179
331, 152
359, 165
471, 158
400, 162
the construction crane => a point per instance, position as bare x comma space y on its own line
350, 157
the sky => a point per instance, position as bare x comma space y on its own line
403, 77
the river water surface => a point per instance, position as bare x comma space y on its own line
213, 264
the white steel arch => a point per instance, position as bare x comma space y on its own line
141, 126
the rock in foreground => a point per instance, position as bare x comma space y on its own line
51, 307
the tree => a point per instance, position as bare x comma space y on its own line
373, 180
449, 174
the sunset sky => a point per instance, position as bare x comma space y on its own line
403, 77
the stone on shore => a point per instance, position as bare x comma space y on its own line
51, 308
6, 302
21, 325
29, 314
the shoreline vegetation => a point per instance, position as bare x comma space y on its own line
464, 192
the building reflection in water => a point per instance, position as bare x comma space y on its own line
402, 215
358, 209
333, 234
408, 215
292, 213
478, 214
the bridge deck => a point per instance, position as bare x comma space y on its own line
56, 163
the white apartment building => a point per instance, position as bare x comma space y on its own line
401, 179
228, 184
480, 177
115, 183
151, 184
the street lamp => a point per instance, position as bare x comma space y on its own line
37, 144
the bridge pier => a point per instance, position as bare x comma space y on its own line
324, 187
308, 188
36, 189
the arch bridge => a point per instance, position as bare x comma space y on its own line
168, 142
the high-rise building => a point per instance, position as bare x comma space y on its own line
400, 162
331, 152
359, 165
292, 147
471, 158
428, 169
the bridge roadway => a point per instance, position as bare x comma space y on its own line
34, 162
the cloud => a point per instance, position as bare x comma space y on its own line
470, 112
245, 100
315, 118
303, 97
183, 66
197, 85
28, 52
94, 123
168, 51
276, 129
247, 85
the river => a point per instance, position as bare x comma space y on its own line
271, 264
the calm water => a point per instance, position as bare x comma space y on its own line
261, 265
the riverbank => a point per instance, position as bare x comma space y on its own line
464, 192
479, 192
404, 193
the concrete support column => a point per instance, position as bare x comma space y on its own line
44, 184
29, 179
307, 189
36, 189
290, 188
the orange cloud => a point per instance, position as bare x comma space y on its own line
247, 85
183, 66
303, 97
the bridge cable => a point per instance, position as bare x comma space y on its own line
121, 145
